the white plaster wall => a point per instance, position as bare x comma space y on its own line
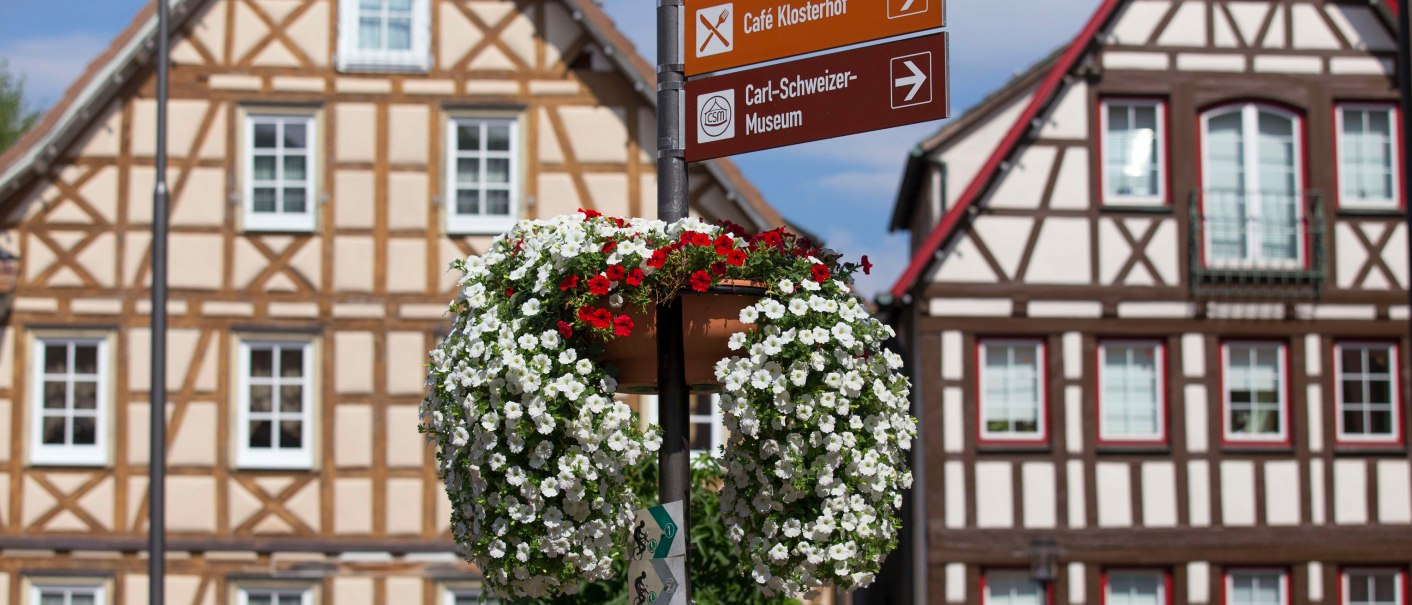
955, 582
1237, 492
1114, 494
1159, 494
953, 429
1138, 21
1198, 575
1350, 495
1071, 191
1022, 186
1056, 259
1196, 413
1069, 117
1039, 505
965, 156
1073, 419
1282, 495
955, 481
995, 506
1394, 493
1317, 514
1187, 27
1076, 505
951, 355
1310, 31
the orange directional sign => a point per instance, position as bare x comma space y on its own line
849, 92
721, 34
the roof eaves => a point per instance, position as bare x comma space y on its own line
924, 254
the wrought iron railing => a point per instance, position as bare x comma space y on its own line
1267, 245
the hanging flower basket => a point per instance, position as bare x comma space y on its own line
559, 315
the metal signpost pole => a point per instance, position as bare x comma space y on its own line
673, 398
156, 494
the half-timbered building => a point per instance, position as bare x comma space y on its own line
1157, 317
329, 158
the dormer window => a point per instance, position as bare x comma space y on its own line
384, 35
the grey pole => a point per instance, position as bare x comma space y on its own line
674, 464
1404, 79
156, 488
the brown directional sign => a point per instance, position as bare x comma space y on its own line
844, 93
721, 34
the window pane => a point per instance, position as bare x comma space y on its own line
1379, 391
295, 201
260, 396
291, 362
468, 202
56, 359
261, 362
55, 395
1383, 587
290, 599
1131, 147
290, 434
260, 433
499, 137
86, 359
468, 137
291, 398
700, 436
1353, 391
51, 598
258, 599
85, 430
399, 34
400, 5
369, 33
264, 199
296, 135
294, 167
1352, 359
1353, 422
1381, 422
497, 202
1379, 360
85, 395
468, 170
371, 5
82, 598
266, 135
54, 427
497, 170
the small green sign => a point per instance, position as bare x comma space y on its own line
655, 533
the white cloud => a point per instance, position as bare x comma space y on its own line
50, 65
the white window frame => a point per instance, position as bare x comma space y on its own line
1160, 411
306, 595
1011, 575
1161, 577
716, 419
1229, 583
1113, 199
353, 59
1282, 358
67, 454
1399, 582
281, 221
1250, 115
99, 591
460, 224
450, 594
1041, 433
275, 458
1394, 118
1395, 361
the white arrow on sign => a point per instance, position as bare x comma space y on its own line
916, 80
907, 5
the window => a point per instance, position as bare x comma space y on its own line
1367, 150
1132, 399
1135, 588
1012, 391
707, 429
1134, 152
279, 164
1367, 400
384, 35
1373, 587
69, 419
467, 596
1011, 588
275, 596
1256, 587
482, 175
1255, 393
59, 594
276, 402
1252, 205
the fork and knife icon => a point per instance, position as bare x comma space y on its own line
714, 29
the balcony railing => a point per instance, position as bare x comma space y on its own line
1267, 245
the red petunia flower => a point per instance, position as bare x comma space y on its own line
622, 325
736, 258
635, 277
701, 281
609, 247
590, 214
615, 272
598, 318
566, 330
718, 268
569, 283
659, 257
820, 273
599, 285
724, 244
867, 266
509, 292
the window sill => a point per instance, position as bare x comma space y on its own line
1119, 207
260, 225
290, 463
479, 226
1005, 447
38, 461
1257, 447
1366, 211
415, 65
1156, 447
1373, 448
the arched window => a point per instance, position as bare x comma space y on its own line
1253, 203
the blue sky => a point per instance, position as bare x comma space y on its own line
841, 189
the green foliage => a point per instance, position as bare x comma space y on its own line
716, 578
15, 118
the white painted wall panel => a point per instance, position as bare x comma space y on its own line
1194, 355
955, 481
1204, 62
1310, 29
1023, 185
1039, 507
1164, 251
1313, 355
995, 506
962, 262
1237, 492
953, 428
1282, 500
1394, 493
1314, 399
1159, 494
1073, 419
1113, 250
1114, 494
1005, 237
1138, 22
1362, 29
1315, 578
965, 157
1135, 60
1317, 514
952, 356
1198, 587
1187, 27
1071, 189
969, 307
1077, 583
1350, 492
1073, 355
1397, 262
1194, 402
955, 582
1069, 119
1056, 259
1198, 477
1349, 254
1077, 502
